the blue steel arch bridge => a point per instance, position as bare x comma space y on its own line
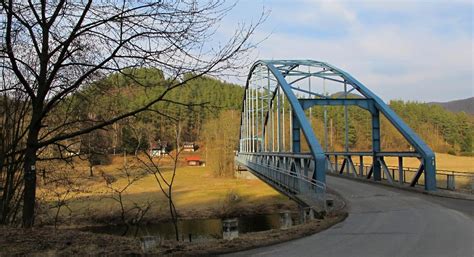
279, 145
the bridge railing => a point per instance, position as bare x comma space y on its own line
401, 175
288, 174
446, 179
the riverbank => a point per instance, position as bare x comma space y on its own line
251, 240
71, 242
197, 194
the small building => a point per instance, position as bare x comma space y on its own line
159, 149
193, 161
156, 152
189, 147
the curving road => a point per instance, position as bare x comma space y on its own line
386, 221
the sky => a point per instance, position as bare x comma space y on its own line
411, 50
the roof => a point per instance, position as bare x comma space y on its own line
193, 158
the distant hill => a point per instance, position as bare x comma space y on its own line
463, 105
341, 95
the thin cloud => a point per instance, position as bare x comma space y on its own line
400, 49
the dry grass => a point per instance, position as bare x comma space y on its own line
50, 242
456, 163
443, 162
197, 194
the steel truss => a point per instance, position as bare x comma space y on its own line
278, 96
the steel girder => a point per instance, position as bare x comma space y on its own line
284, 75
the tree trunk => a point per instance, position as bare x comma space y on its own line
29, 167
29, 170
174, 215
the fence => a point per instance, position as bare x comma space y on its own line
445, 179
287, 179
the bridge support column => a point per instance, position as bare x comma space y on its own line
305, 165
295, 134
376, 145
319, 173
430, 173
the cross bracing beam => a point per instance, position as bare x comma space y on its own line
366, 104
263, 129
308, 92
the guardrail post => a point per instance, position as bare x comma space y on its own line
401, 177
472, 183
450, 182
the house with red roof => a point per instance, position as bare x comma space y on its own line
193, 160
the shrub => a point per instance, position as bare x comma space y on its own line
451, 152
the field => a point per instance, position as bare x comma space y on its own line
196, 193
461, 166
443, 162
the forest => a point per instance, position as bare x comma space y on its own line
201, 101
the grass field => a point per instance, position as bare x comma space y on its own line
196, 193
443, 162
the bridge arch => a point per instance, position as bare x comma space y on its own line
275, 88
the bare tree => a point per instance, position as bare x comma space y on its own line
221, 138
129, 216
51, 50
13, 113
60, 189
94, 149
166, 184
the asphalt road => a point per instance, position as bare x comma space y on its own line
387, 222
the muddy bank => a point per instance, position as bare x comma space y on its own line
114, 218
46, 241
250, 240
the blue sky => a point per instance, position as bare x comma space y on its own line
411, 50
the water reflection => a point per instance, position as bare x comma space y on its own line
200, 229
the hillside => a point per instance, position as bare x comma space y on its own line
341, 95
462, 105
198, 105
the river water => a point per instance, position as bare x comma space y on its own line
199, 229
